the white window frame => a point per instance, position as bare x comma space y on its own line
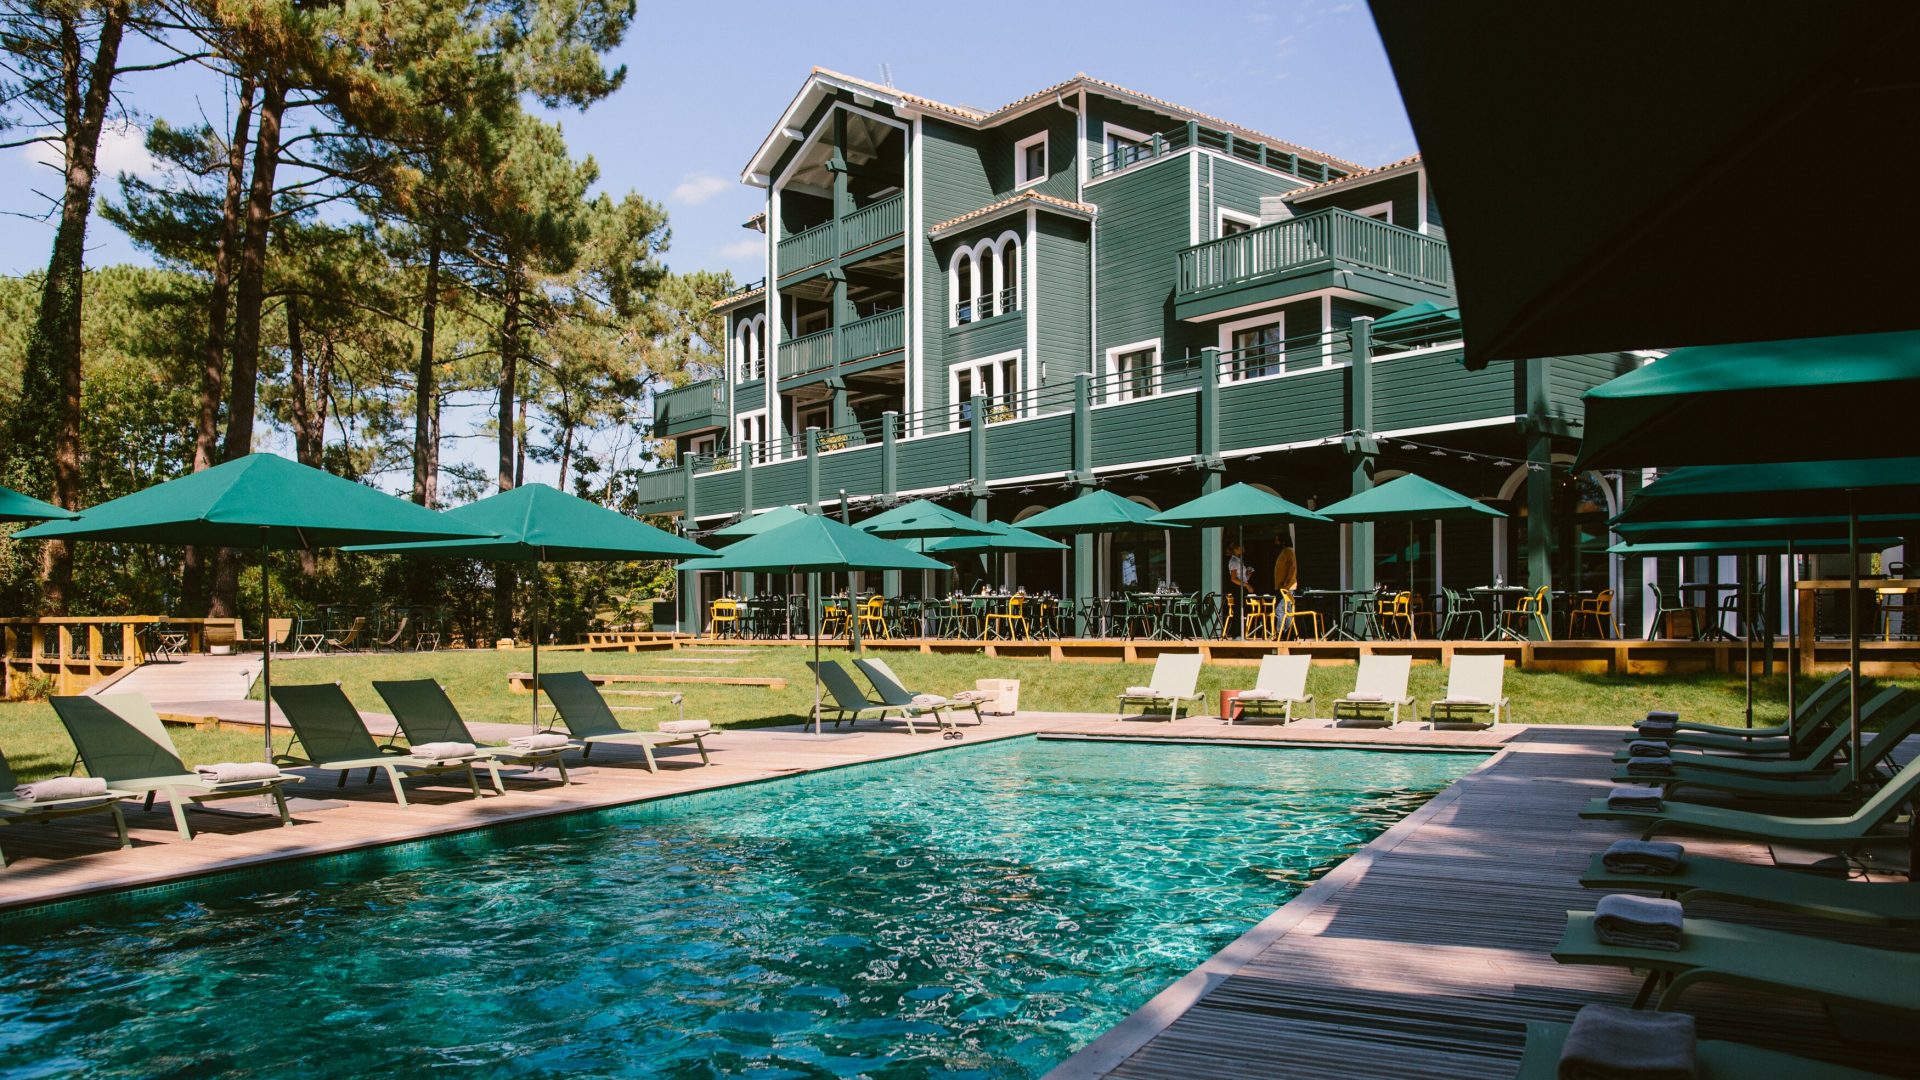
1251, 221
750, 424
1108, 131
1275, 319
750, 357
989, 366
800, 408
1380, 211
704, 444
988, 269
1119, 390
1020, 179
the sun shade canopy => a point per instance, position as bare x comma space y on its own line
816, 544
1238, 504
921, 518
1409, 498
1096, 511
1792, 489
1004, 538
17, 507
537, 523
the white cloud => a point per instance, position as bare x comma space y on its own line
123, 149
744, 249
698, 187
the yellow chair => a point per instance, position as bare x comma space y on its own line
873, 618
1263, 614
1396, 614
833, 620
1290, 624
723, 618
1014, 618
1530, 607
1600, 610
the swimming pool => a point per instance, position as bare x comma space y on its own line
981, 912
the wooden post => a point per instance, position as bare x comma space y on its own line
1807, 601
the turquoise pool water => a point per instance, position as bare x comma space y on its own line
977, 913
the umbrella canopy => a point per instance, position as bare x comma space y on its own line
17, 507
1870, 486
538, 523
1004, 538
1096, 511
1409, 498
760, 522
816, 545
1742, 547
261, 500
1553, 254
1237, 504
1797, 529
1838, 397
921, 517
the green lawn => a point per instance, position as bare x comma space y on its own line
36, 746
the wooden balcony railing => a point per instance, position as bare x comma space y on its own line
805, 355
809, 248
873, 335
67, 655
871, 224
696, 405
1226, 142
1322, 236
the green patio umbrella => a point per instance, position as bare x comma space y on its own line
1555, 252
1868, 486
535, 523
17, 507
817, 545
1411, 498
759, 523
1807, 399
1237, 504
921, 518
1421, 323
262, 502
1003, 538
1098, 511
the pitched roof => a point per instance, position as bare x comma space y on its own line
1355, 179
1046, 202
740, 297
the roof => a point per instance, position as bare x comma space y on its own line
738, 298
1040, 201
757, 222
1355, 179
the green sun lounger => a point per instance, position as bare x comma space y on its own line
849, 703
1713, 1059
333, 737
1809, 758
1809, 706
893, 692
123, 742
23, 812
1845, 831
1891, 903
1828, 713
1816, 784
1769, 960
427, 715
587, 718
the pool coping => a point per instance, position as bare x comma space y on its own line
1120, 1042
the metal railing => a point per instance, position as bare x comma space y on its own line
1324, 235
743, 290
1239, 147
871, 224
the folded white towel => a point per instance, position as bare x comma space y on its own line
1254, 695
975, 695
437, 750
686, 727
61, 787
1141, 691
1358, 696
546, 740
928, 701
1654, 765
1607, 1042
232, 772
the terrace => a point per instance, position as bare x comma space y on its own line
1316, 250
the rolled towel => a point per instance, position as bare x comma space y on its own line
1662, 716
975, 695
1142, 691
928, 701
1648, 748
1253, 695
1643, 857
233, 772
686, 727
1654, 731
61, 787
1660, 765
546, 740
1633, 798
1607, 1042
1358, 696
437, 750
1638, 922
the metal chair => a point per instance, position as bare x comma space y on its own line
1599, 611
1534, 607
873, 618
1291, 614
1461, 611
1014, 619
1665, 604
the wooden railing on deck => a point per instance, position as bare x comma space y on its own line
74, 653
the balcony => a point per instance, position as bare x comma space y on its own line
1226, 142
854, 231
1323, 249
684, 410
874, 335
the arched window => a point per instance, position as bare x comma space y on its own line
749, 359
963, 284
1008, 298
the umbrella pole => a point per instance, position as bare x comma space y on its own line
1746, 626
533, 619
812, 600
1793, 633
266, 649
1853, 637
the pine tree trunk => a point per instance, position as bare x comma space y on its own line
307, 381
425, 396
504, 577
213, 370
249, 296
50, 394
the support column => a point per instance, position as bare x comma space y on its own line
689, 579
890, 481
977, 480
1082, 477
1212, 467
813, 470
743, 460
1362, 451
1539, 480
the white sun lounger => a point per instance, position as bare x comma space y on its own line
1475, 692
1379, 690
1281, 684
1176, 677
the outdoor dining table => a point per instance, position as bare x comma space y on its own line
1708, 591
1496, 596
1343, 606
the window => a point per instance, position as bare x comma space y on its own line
750, 434
749, 349
984, 280
1133, 371
1008, 297
818, 416
811, 322
1233, 223
964, 276
1030, 160
1253, 348
1378, 211
1126, 146
703, 444
997, 378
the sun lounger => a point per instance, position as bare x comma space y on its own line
849, 703
1821, 698
1281, 684
123, 742
1379, 690
1816, 721
1176, 679
888, 686
1815, 784
1893, 903
332, 736
426, 715
14, 811
1713, 1059
1813, 756
1845, 831
587, 718
1476, 685
1767, 960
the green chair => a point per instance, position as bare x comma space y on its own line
123, 742
893, 692
1821, 782
588, 718
1892, 903
1822, 697
1844, 831
333, 737
1812, 748
427, 715
23, 811
1461, 613
1767, 960
1666, 603
849, 703
1713, 1059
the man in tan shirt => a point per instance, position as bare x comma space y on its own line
1286, 567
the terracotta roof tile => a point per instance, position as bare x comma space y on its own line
1025, 196
735, 298
1350, 179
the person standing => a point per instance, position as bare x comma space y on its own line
1239, 582
1286, 566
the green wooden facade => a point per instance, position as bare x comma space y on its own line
1157, 303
